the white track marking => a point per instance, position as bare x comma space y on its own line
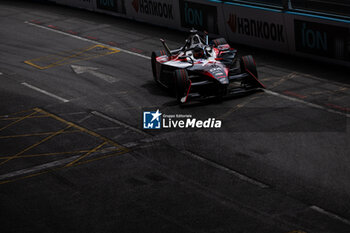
119, 123
329, 214
45, 92
228, 170
47, 166
85, 39
93, 70
38, 168
305, 102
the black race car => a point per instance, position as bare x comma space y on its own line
200, 69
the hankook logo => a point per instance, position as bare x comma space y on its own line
155, 8
256, 28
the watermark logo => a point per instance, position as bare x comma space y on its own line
152, 120
157, 120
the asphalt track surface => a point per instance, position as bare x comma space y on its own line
74, 156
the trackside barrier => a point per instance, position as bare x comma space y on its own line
308, 35
321, 38
83, 4
259, 27
159, 12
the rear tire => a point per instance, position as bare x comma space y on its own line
219, 41
154, 56
181, 81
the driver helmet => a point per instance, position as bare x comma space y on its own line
198, 52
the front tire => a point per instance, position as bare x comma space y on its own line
181, 82
248, 63
154, 56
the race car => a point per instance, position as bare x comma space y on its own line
200, 70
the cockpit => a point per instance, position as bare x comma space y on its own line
196, 46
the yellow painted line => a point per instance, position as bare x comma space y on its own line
124, 151
61, 54
34, 145
20, 119
68, 57
15, 113
54, 153
24, 177
283, 79
119, 149
35, 134
68, 54
85, 50
34, 65
88, 153
238, 106
64, 57
56, 169
46, 154
80, 128
16, 118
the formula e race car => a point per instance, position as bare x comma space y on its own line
200, 70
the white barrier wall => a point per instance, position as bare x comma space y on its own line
322, 38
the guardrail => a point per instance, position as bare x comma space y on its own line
269, 24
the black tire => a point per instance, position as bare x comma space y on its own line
156, 54
181, 82
219, 41
248, 63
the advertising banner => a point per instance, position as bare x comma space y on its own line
255, 27
115, 7
159, 12
322, 39
199, 16
84, 4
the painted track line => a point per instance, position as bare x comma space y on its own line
329, 214
305, 102
45, 92
86, 39
226, 169
119, 123
38, 168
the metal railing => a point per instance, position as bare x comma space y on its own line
338, 8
